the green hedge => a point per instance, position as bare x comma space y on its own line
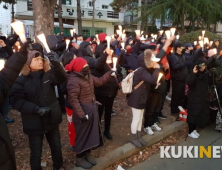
194, 36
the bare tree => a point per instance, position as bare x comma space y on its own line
43, 14
59, 6
79, 17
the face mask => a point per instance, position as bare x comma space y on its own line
147, 43
79, 42
85, 71
73, 41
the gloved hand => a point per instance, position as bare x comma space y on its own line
51, 56
24, 48
43, 110
84, 118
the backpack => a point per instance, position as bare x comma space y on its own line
127, 83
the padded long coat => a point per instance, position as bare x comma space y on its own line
82, 100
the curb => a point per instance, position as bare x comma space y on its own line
128, 149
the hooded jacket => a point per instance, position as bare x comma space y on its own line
36, 89
138, 98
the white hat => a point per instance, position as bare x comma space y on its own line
153, 58
143, 39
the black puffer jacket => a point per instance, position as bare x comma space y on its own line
7, 77
111, 87
37, 90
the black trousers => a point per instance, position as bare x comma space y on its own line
152, 109
178, 95
191, 128
164, 94
35, 144
107, 104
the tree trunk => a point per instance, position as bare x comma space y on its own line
182, 22
79, 18
43, 14
60, 15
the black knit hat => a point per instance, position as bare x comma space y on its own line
177, 45
152, 46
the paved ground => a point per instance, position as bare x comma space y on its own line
208, 137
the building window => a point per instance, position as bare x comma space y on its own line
29, 4
105, 6
87, 31
91, 3
66, 2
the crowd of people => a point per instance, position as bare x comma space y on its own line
82, 82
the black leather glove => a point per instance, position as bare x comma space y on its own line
24, 48
85, 118
51, 56
43, 111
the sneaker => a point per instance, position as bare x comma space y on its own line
195, 132
161, 116
168, 98
148, 130
8, 120
156, 127
113, 113
193, 135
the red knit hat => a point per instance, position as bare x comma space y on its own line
76, 64
102, 37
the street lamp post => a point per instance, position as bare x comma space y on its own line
93, 17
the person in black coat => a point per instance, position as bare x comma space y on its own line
33, 94
179, 73
106, 94
198, 99
188, 54
7, 77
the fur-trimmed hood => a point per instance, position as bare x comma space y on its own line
26, 69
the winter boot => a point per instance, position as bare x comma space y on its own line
90, 159
135, 141
81, 162
139, 137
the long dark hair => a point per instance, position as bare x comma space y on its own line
67, 58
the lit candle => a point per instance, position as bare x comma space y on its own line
71, 32
206, 40
123, 45
142, 32
124, 31
120, 27
112, 36
152, 35
2, 64
203, 33
177, 37
19, 47
152, 40
167, 34
74, 30
123, 36
211, 42
195, 42
161, 32
41, 37
108, 38
67, 44
137, 32
200, 38
19, 29
119, 32
114, 63
201, 44
146, 36
158, 80
97, 36
173, 30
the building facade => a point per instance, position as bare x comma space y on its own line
105, 17
5, 18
